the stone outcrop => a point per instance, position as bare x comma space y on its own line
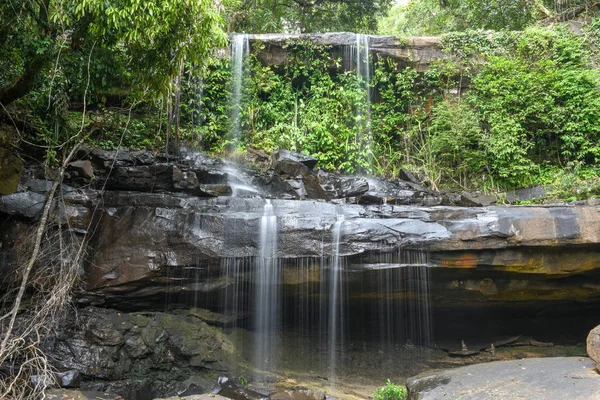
593, 345
534, 379
157, 218
416, 52
154, 351
159, 228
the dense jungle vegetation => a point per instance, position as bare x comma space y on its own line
519, 104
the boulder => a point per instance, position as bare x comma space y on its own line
593, 345
291, 156
570, 378
25, 204
470, 199
149, 349
83, 168
69, 379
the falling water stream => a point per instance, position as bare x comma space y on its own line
240, 55
267, 303
336, 305
362, 52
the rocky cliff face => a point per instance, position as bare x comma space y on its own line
416, 52
189, 228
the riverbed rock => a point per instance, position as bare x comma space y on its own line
152, 349
283, 155
593, 345
532, 379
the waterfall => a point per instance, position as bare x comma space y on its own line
404, 307
240, 56
336, 306
267, 302
363, 109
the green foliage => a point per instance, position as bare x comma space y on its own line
458, 143
305, 16
66, 56
391, 392
435, 17
538, 106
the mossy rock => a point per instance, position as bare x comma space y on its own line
11, 167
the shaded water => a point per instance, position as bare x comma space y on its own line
319, 312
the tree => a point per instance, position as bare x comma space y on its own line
439, 16
152, 37
262, 16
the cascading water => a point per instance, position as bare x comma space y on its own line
267, 292
362, 53
335, 328
240, 56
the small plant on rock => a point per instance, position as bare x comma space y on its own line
391, 392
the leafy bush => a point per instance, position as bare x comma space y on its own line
391, 392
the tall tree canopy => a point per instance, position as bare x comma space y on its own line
262, 16
147, 40
439, 16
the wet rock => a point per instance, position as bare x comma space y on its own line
415, 52
145, 178
535, 379
143, 157
25, 204
215, 190
82, 168
11, 168
530, 194
256, 155
408, 176
286, 156
152, 350
196, 397
107, 158
184, 180
299, 394
593, 345
291, 168
64, 394
469, 199
69, 379
228, 388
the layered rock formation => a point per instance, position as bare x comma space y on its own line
416, 52
162, 231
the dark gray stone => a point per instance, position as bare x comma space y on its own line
530, 194
143, 157
106, 158
349, 187
26, 204
408, 176
292, 169
286, 155
69, 379
139, 349
533, 379
415, 52
83, 168
469, 199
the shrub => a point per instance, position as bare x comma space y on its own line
391, 392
